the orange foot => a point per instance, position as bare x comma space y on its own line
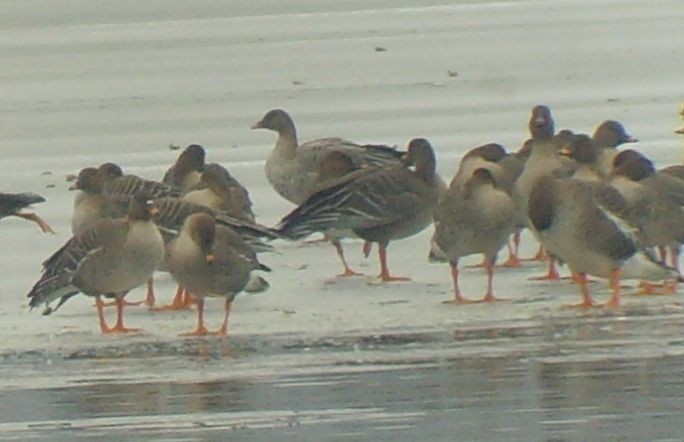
460, 299
512, 262
390, 278
489, 297
199, 331
547, 277
349, 272
649, 289
119, 328
182, 303
540, 257
203, 331
583, 304
611, 304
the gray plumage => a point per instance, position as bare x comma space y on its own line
292, 169
112, 256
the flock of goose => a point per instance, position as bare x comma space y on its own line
602, 211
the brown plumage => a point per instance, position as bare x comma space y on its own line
122, 187
379, 204
607, 137
292, 169
111, 257
90, 203
186, 172
218, 190
476, 217
211, 260
655, 198
588, 226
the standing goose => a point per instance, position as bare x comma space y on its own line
379, 204
334, 167
111, 257
543, 159
607, 137
512, 165
292, 169
120, 188
13, 204
585, 225
170, 215
187, 170
476, 217
657, 200
211, 260
490, 157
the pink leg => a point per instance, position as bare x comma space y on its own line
489, 296
458, 296
587, 302
340, 252
201, 330
551, 275
384, 269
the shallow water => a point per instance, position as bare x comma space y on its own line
602, 378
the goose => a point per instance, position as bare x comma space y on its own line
586, 225
475, 217
504, 167
657, 200
543, 159
111, 257
170, 215
292, 169
379, 204
211, 260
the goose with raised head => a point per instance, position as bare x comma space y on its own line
292, 168
607, 137
543, 159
